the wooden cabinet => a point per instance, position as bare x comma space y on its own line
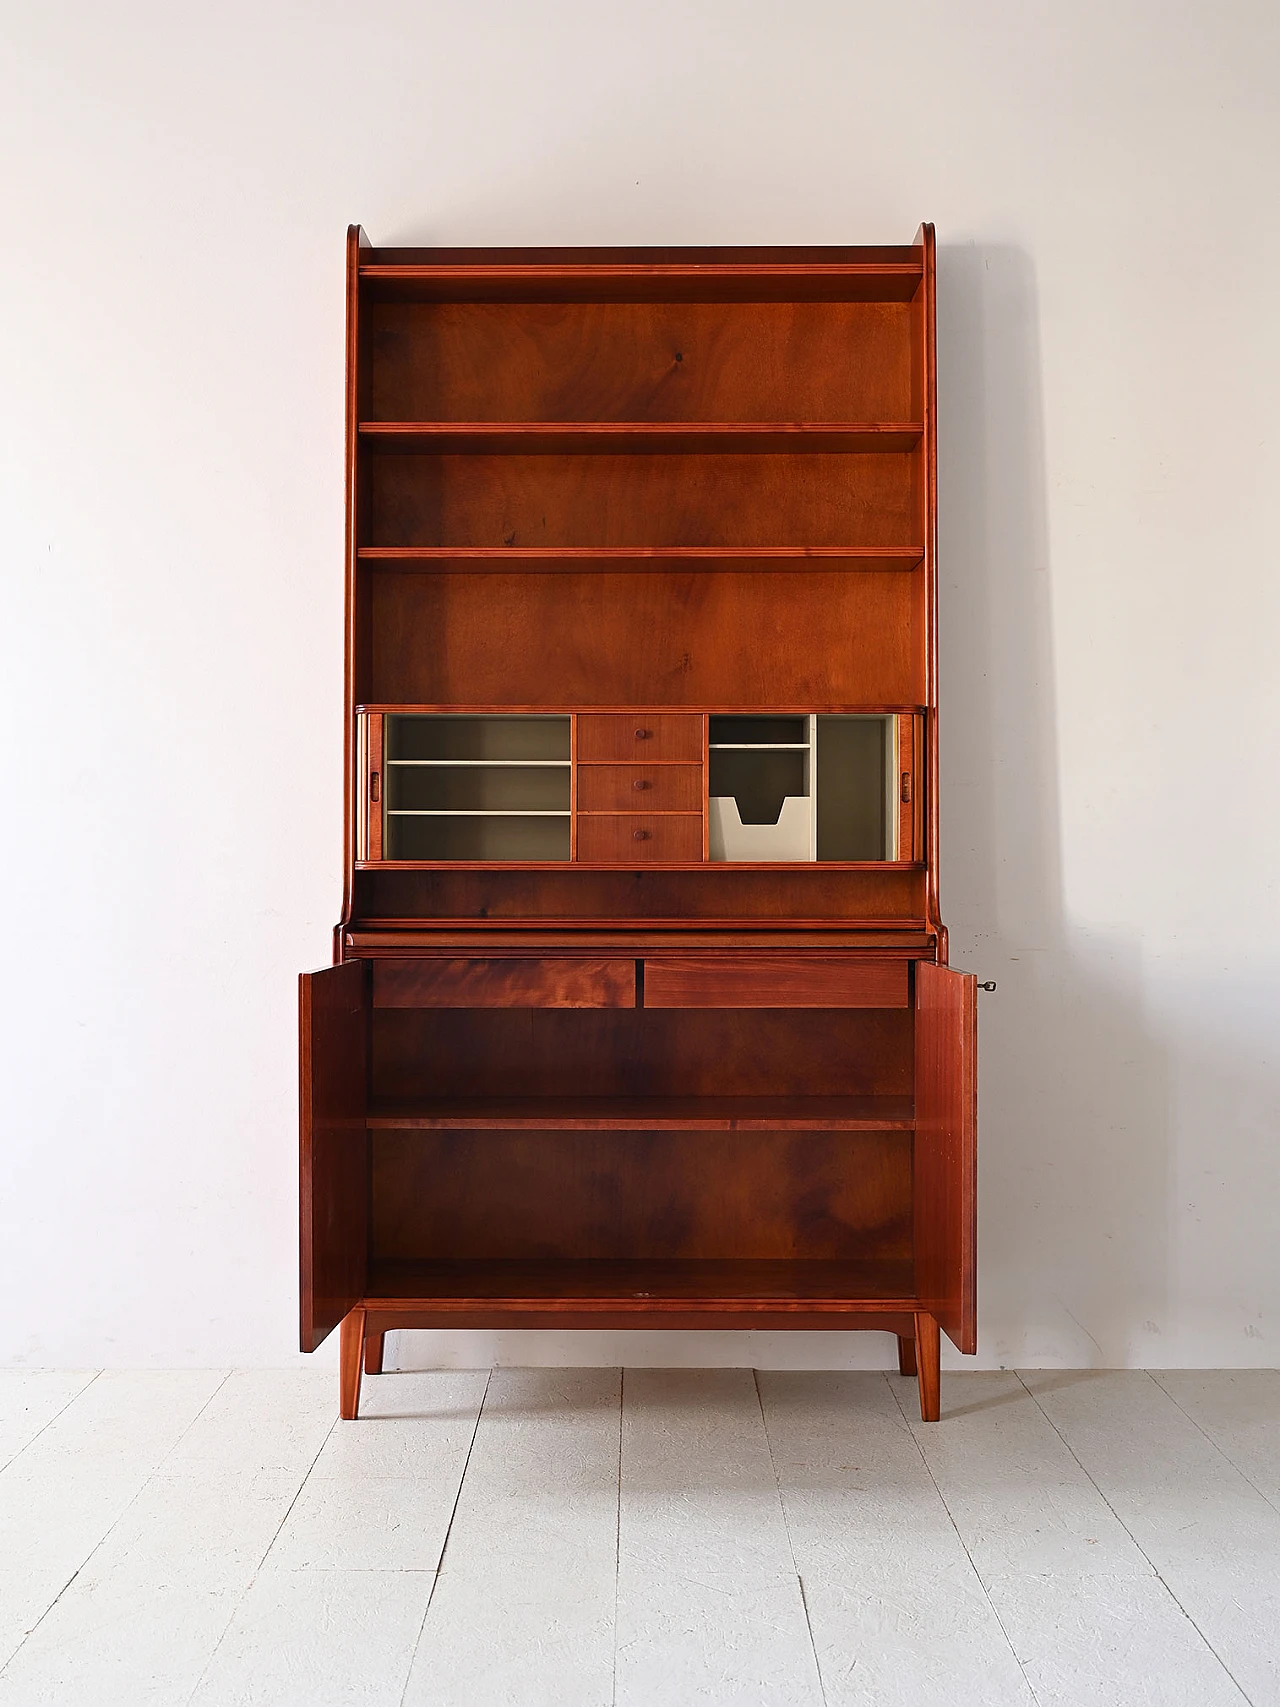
640, 1013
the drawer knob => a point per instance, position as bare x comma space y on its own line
642, 782
640, 835
643, 734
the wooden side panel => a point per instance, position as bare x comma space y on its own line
774, 981
945, 1165
513, 983
333, 1041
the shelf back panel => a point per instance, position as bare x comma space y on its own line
658, 498
641, 1195
642, 361
431, 1054
670, 637
581, 893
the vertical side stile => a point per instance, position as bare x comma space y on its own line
929, 497
356, 241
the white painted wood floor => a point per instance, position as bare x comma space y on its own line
577, 1538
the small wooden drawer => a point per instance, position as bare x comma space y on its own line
644, 788
774, 981
627, 838
645, 735
506, 983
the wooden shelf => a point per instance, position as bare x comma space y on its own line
624, 559
539, 276
646, 1114
533, 438
643, 1285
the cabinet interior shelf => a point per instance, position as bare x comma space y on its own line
539, 279
869, 1283
647, 1114
481, 764
570, 437
623, 559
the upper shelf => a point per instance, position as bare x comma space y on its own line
883, 275
621, 559
576, 437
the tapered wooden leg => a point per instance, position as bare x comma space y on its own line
906, 1354
373, 1353
927, 1355
350, 1357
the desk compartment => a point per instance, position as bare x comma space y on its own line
504, 983
775, 981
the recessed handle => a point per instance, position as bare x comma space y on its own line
373, 785
906, 788
643, 734
640, 835
642, 782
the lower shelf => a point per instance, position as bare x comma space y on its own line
647, 1114
646, 1285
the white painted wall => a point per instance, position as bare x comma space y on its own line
176, 186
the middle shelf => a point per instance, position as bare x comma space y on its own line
646, 1114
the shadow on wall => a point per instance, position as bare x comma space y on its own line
1076, 1163
1075, 1144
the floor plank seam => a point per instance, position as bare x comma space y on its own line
117, 1519
977, 1574
444, 1546
617, 1539
78, 1394
1155, 1569
1216, 1445
786, 1530
244, 1594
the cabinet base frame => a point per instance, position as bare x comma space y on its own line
364, 1330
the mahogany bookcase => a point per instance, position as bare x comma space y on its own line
640, 1012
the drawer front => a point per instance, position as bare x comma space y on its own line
627, 838
643, 735
774, 981
505, 983
640, 788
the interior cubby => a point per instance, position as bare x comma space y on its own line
642, 361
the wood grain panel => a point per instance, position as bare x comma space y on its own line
658, 499
642, 361
653, 736
774, 981
333, 1028
505, 983
586, 893
635, 1195
945, 1192
617, 838
677, 636
434, 1055
628, 788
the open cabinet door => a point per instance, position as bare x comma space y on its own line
333, 1043
946, 1150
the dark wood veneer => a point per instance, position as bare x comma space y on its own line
641, 491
